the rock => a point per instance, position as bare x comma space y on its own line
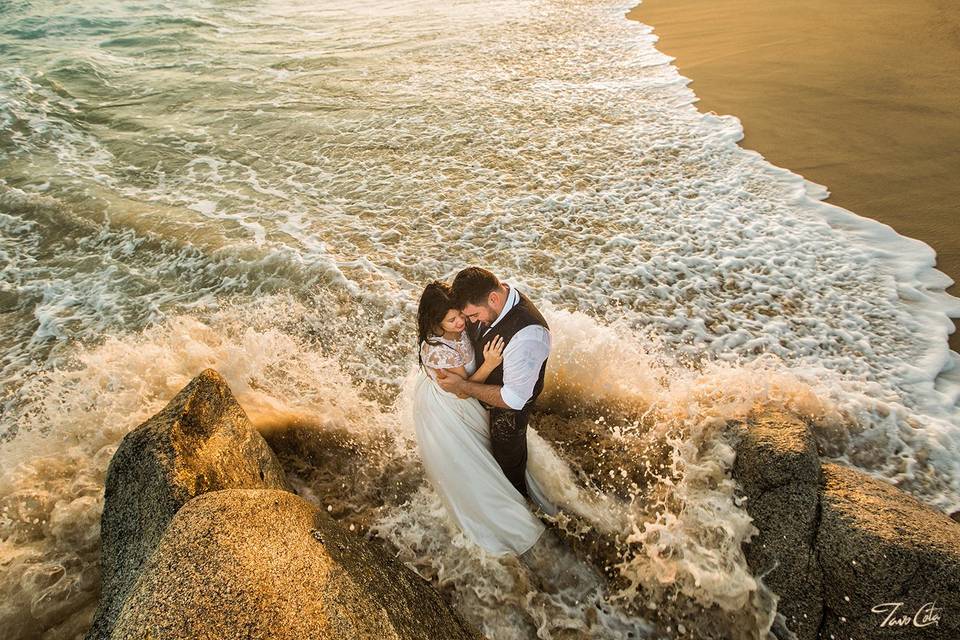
261, 563
201, 441
881, 546
779, 470
842, 548
202, 537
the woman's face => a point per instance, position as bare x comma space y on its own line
454, 321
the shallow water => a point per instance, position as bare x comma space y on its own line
265, 189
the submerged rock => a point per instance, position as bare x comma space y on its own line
259, 563
849, 555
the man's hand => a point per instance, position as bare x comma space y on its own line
450, 382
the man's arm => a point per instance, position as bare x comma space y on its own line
489, 393
522, 361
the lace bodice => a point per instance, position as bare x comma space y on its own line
447, 354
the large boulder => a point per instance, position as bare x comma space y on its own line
258, 563
200, 441
203, 537
851, 556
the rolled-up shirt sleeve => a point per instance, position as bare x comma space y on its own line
522, 358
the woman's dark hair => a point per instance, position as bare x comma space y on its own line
472, 286
435, 301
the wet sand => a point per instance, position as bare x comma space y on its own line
861, 96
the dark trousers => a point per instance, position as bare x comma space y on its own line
508, 440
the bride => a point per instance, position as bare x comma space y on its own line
453, 435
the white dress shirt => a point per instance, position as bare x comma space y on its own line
522, 357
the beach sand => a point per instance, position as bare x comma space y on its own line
861, 96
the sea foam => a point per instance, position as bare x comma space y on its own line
265, 190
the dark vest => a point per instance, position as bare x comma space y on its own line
523, 314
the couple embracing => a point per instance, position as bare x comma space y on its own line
483, 349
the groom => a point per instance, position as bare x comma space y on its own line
496, 308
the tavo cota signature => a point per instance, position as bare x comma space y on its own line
926, 615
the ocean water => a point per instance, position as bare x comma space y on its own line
264, 188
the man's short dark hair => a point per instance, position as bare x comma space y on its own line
472, 286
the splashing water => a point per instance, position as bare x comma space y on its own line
264, 188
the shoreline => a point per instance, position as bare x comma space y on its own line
870, 114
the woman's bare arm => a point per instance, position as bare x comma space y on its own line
492, 357
480, 375
484, 370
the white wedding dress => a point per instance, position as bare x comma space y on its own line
453, 439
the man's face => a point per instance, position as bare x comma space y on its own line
479, 313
